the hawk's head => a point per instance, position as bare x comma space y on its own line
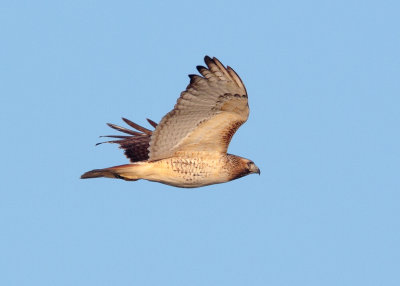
241, 167
252, 168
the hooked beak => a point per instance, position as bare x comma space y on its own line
255, 170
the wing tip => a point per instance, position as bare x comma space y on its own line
207, 59
200, 68
152, 123
212, 60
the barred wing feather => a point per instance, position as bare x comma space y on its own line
206, 115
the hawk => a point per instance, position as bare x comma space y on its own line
188, 148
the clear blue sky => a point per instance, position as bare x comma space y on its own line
324, 91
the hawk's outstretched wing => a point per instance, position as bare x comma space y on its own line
206, 115
136, 145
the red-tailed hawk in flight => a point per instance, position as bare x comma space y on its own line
188, 148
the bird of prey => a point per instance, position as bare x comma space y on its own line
188, 148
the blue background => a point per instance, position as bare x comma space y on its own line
323, 84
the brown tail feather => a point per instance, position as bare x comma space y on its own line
118, 172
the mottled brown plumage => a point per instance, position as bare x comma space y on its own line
188, 148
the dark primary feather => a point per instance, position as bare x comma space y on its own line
123, 129
152, 123
136, 145
136, 126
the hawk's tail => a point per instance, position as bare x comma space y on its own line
126, 172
